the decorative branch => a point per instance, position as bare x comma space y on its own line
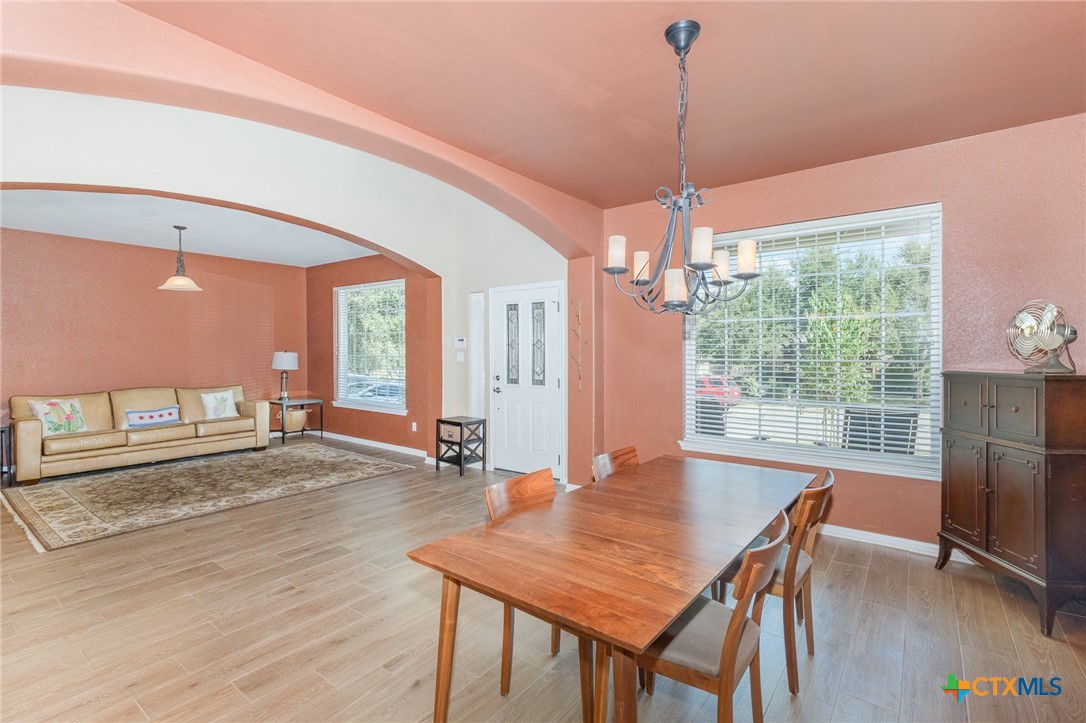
581, 343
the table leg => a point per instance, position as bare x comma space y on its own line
446, 642
584, 653
624, 670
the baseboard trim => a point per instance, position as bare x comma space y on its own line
472, 465
379, 445
898, 543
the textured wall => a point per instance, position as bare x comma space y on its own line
1014, 229
81, 315
423, 352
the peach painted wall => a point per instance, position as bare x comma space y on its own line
1014, 229
423, 352
82, 315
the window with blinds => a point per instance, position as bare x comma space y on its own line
371, 358
832, 356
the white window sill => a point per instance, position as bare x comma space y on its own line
820, 458
364, 407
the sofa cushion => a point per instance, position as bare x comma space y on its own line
140, 398
192, 402
148, 435
97, 412
58, 416
225, 426
83, 441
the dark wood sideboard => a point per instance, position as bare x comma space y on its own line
1014, 480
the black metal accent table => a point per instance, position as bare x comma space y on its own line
285, 404
461, 441
7, 473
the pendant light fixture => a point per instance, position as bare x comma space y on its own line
180, 282
700, 282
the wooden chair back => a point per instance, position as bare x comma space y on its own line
807, 513
749, 586
605, 465
514, 494
759, 563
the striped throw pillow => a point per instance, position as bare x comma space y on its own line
153, 417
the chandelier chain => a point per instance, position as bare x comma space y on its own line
683, 84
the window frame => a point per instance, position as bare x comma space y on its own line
883, 463
338, 338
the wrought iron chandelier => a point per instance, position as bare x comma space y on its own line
705, 276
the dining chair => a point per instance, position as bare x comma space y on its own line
605, 465
506, 498
792, 578
710, 645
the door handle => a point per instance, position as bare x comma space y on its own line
497, 390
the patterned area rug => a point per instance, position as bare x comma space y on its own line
89, 507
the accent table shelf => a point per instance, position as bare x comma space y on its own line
285, 404
460, 441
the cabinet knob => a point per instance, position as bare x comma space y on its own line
1014, 409
964, 403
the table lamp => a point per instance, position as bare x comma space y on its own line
285, 361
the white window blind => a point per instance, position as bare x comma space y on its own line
371, 359
831, 357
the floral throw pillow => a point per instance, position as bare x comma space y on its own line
58, 416
219, 404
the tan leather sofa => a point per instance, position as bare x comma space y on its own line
108, 441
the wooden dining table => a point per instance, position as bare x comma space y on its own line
614, 562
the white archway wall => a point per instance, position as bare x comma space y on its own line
58, 137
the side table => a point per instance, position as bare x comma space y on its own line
461, 441
285, 404
7, 473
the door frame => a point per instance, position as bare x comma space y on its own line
563, 445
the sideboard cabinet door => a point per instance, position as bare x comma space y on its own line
964, 488
1016, 519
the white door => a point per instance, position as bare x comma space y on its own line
527, 414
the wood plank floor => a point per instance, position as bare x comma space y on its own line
306, 609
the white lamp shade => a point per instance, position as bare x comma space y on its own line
180, 283
285, 360
675, 286
701, 245
616, 252
748, 256
723, 263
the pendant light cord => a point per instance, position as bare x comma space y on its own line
180, 256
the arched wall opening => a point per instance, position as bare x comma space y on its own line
53, 137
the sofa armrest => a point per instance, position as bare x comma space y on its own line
260, 411
26, 441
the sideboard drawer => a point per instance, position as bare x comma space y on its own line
1017, 412
964, 407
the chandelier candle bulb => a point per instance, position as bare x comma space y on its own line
747, 259
675, 287
616, 255
641, 266
701, 248
722, 261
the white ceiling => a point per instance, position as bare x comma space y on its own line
149, 220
